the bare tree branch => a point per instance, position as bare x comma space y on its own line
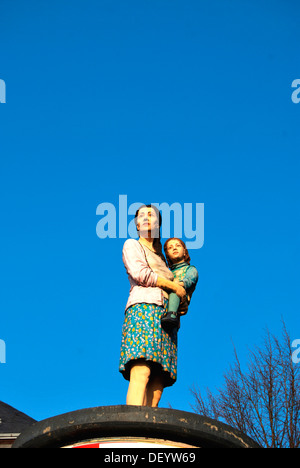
264, 400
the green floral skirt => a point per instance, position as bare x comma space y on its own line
143, 337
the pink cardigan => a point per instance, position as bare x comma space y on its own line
141, 278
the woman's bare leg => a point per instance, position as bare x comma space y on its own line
154, 391
139, 378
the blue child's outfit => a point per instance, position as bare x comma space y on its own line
188, 274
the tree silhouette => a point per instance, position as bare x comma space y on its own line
264, 400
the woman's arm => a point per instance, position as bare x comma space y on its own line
138, 268
136, 264
171, 286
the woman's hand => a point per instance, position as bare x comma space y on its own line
180, 291
183, 307
176, 280
171, 286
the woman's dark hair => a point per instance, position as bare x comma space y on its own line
158, 214
157, 242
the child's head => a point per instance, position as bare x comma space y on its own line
176, 251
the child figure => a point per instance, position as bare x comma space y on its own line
185, 274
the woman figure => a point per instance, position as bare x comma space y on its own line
148, 353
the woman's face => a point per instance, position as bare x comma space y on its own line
175, 251
147, 222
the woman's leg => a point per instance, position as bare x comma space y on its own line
154, 391
139, 378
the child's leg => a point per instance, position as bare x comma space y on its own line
173, 303
170, 320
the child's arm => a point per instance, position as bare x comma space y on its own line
189, 282
191, 278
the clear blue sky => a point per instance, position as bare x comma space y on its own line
164, 101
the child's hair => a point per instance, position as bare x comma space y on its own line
187, 258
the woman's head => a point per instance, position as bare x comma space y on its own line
148, 221
176, 251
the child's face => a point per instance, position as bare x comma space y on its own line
176, 251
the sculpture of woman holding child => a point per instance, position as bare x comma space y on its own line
149, 336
